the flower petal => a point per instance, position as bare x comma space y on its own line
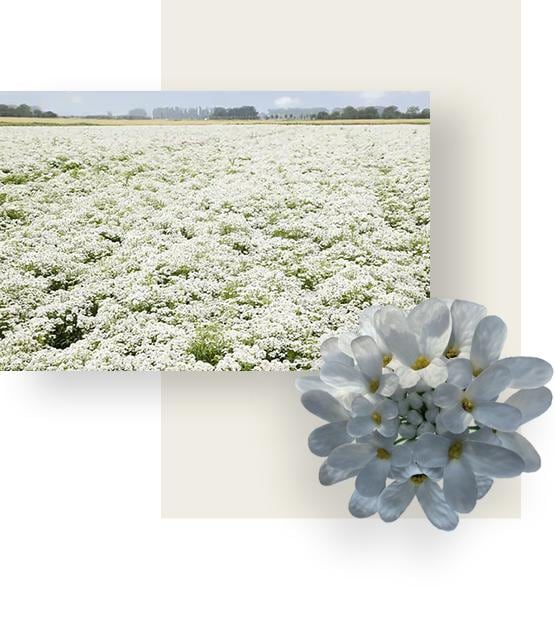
519, 444
368, 357
361, 406
431, 450
343, 377
344, 342
455, 420
483, 484
389, 428
447, 396
489, 384
305, 384
492, 461
388, 409
324, 405
362, 507
433, 503
388, 384
401, 455
368, 326
350, 456
434, 374
332, 353
465, 317
485, 435
459, 372
498, 416
328, 475
531, 403
431, 322
487, 342
394, 499
407, 377
459, 485
393, 327
528, 372
371, 479
360, 426
326, 438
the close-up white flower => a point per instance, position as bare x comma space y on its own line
421, 404
417, 340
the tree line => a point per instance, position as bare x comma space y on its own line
24, 110
389, 112
245, 112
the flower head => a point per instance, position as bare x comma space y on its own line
412, 405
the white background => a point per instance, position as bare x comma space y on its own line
80, 529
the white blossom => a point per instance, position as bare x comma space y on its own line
440, 436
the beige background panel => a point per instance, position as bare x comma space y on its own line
235, 445
468, 55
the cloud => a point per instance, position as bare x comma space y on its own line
287, 102
372, 96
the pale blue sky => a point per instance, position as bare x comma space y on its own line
120, 102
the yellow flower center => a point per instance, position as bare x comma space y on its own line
477, 371
455, 450
452, 352
383, 454
467, 405
373, 385
376, 417
420, 362
386, 359
418, 478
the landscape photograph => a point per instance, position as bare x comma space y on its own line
206, 231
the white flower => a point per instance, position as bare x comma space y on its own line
325, 438
487, 343
461, 458
460, 407
395, 499
368, 416
373, 461
367, 377
417, 341
465, 316
421, 410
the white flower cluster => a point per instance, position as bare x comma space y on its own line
413, 399
227, 247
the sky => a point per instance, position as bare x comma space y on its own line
80, 103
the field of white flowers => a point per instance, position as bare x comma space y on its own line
212, 247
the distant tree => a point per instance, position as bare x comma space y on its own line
24, 110
425, 113
349, 112
413, 111
391, 111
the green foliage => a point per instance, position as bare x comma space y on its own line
12, 212
294, 234
16, 178
66, 330
208, 345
